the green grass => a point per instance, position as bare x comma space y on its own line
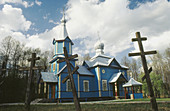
90, 107
144, 99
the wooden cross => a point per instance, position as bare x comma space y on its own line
145, 67
70, 76
28, 90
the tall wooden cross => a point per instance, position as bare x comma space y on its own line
70, 76
145, 67
30, 78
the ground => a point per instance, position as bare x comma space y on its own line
118, 105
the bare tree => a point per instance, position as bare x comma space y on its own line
134, 66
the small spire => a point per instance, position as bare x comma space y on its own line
64, 33
99, 46
98, 36
63, 20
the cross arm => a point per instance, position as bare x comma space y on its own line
145, 53
137, 39
150, 52
67, 77
71, 57
144, 77
134, 54
37, 58
39, 67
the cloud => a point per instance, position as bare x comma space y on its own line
117, 24
27, 4
13, 19
38, 2
52, 21
13, 23
24, 3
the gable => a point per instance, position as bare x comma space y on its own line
114, 63
67, 39
85, 64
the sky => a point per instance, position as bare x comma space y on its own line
114, 22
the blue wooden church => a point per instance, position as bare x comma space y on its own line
99, 78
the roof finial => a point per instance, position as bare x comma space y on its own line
98, 36
64, 33
63, 20
99, 46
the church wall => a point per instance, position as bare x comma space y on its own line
92, 89
64, 93
95, 83
125, 73
106, 74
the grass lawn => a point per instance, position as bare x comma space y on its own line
102, 106
90, 107
144, 99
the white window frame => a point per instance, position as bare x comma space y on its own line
104, 82
70, 50
67, 86
84, 82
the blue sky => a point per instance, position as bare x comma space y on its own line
37, 22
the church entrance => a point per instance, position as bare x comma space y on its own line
118, 91
53, 91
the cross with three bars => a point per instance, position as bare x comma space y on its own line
145, 67
30, 78
70, 76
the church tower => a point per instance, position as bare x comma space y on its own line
63, 40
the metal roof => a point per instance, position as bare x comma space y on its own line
115, 77
48, 77
84, 71
132, 82
102, 60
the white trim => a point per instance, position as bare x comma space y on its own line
85, 81
99, 79
45, 87
56, 48
70, 49
59, 87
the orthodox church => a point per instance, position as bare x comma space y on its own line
99, 78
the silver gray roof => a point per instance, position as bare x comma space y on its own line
132, 82
84, 71
115, 77
48, 77
102, 60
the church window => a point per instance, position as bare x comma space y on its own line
60, 48
68, 87
104, 85
86, 85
